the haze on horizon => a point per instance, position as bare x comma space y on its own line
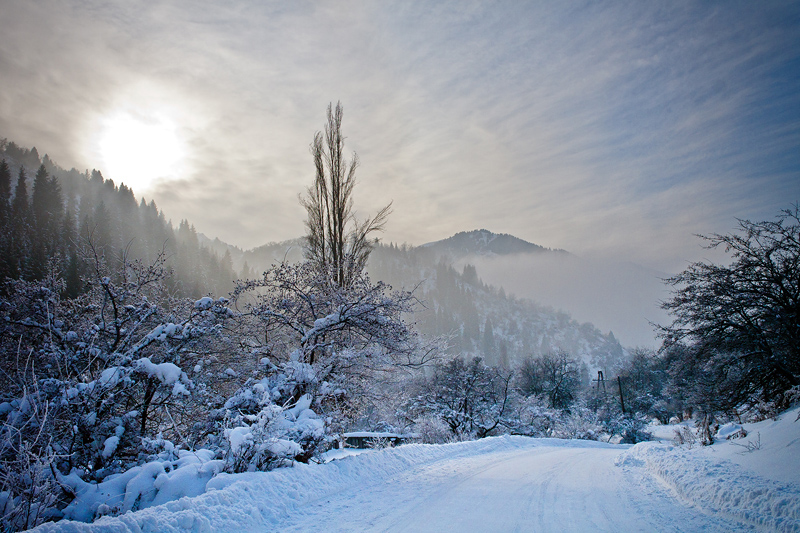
616, 130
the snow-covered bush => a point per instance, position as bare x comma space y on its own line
270, 422
761, 410
92, 377
792, 396
432, 430
631, 429
644, 378
580, 423
28, 490
730, 431
166, 476
751, 445
684, 435
532, 416
468, 396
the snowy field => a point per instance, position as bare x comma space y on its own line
504, 484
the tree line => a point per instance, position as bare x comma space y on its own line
49, 226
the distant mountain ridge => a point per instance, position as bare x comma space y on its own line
476, 318
611, 295
486, 243
464, 244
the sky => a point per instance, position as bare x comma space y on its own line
615, 129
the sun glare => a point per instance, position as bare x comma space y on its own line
138, 150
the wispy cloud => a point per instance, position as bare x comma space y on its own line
617, 128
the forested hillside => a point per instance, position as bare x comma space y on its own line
482, 320
57, 220
454, 303
71, 210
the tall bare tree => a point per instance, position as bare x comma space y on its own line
337, 242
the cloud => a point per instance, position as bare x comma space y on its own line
618, 129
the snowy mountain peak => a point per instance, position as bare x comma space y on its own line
484, 242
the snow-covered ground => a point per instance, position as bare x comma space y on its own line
754, 479
506, 484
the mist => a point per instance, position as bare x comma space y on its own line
621, 297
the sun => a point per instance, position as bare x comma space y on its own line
139, 149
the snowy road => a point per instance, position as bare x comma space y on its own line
497, 484
558, 488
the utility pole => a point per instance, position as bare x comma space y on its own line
601, 382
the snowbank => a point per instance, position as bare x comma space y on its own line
774, 448
754, 481
144, 486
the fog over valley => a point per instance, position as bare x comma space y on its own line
620, 297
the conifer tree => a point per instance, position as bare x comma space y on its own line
40, 221
39, 196
20, 205
47, 206
69, 240
5, 189
20, 227
488, 339
224, 281
100, 228
5, 233
247, 272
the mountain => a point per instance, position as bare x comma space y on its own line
485, 243
251, 263
614, 295
477, 318
482, 319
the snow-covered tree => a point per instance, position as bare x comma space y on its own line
470, 397
555, 375
352, 337
644, 378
